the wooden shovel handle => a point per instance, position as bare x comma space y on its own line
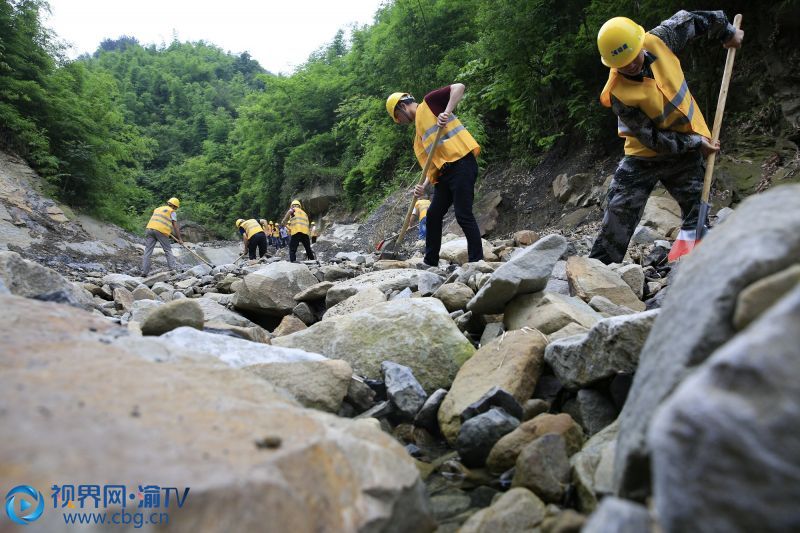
427, 167
723, 96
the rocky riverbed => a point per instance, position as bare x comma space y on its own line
537, 390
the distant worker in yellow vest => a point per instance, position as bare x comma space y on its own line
299, 230
162, 223
454, 169
666, 136
421, 211
314, 233
253, 237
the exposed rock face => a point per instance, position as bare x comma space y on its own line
513, 363
610, 347
526, 272
761, 238
434, 351
738, 469
250, 456
270, 290
386, 281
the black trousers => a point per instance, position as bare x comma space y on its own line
296, 239
258, 240
634, 180
456, 187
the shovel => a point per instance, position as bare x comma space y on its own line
390, 239
705, 207
403, 230
190, 251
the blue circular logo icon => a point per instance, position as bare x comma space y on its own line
28, 511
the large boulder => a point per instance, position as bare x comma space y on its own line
270, 290
32, 280
761, 238
361, 300
725, 445
548, 312
235, 352
512, 362
216, 312
590, 277
610, 347
527, 272
417, 333
386, 281
249, 456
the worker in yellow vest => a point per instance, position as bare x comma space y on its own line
253, 237
299, 230
314, 233
163, 222
454, 169
421, 212
666, 136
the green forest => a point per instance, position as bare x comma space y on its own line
117, 132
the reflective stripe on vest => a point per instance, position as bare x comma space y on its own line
161, 220
299, 222
456, 141
251, 227
665, 99
422, 208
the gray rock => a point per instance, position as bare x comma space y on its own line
380, 333
527, 272
480, 433
360, 395
645, 235
454, 296
122, 280
610, 347
123, 298
593, 468
722, 215
762, 294
380, 410
534, 407
198, 270
543, 468
363, 299
592, 410
173, 315
31, 280
601, 304
232, 351
449, 503
314, 292
516, 511
385, 281
548, 312
589, 277
494, 398
403, 390
724, 445
336, 273
154, 279
760, 239
304, 312
558, 286
633, 275
142, 292
426, 416
405, 293
160, 287
141, 308
270, 290
491, 332
621, 516
215, 312
316, 384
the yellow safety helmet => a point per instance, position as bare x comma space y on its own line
313, 223
271, 222
619, 40
239, 222
392, 101
174, 202
296, 202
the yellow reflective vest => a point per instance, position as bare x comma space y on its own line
665, 99
161, 220
422, 208
299, 222
456, 141
251, 227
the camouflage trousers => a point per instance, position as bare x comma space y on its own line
634, 180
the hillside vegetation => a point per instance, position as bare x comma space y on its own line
116, 132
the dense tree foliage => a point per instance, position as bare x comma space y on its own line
119, 131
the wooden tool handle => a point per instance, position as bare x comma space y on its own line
421, 181
723, 96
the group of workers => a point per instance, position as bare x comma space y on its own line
292, 231
666, 140
666, 136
